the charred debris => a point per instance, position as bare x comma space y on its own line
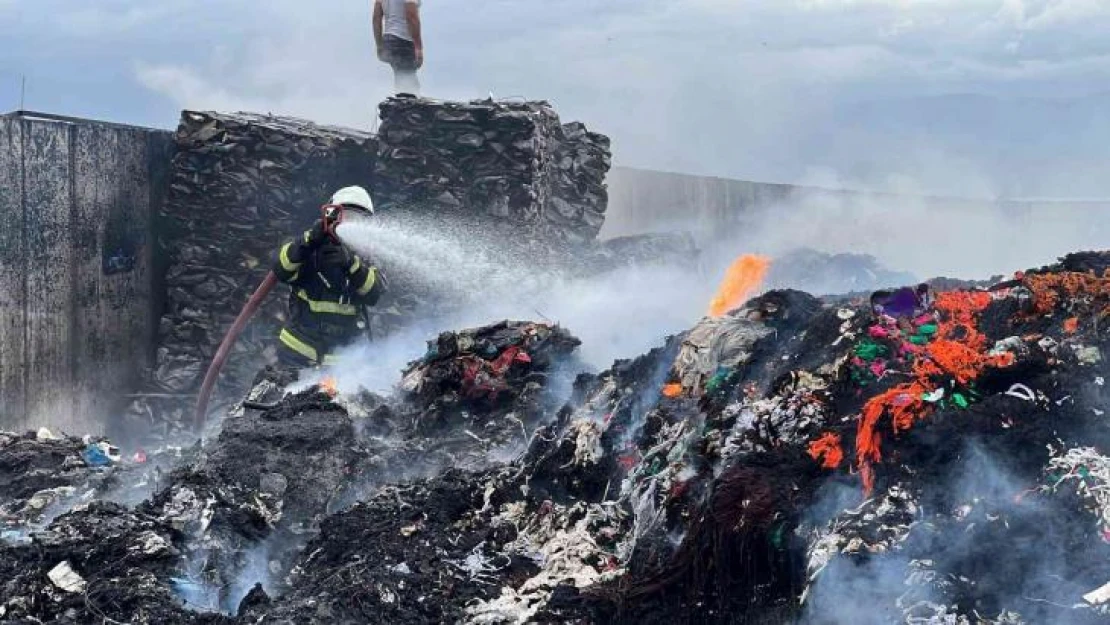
942, 460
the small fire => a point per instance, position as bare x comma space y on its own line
742, 279
328, 386
1071, 326
672, 390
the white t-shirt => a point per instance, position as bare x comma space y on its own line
394, 22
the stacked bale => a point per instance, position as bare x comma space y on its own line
241, 184
577, 205
512, 160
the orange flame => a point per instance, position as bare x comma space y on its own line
329, 386
1071, 325
672, 390
742, 278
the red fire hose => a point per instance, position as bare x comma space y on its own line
201, 414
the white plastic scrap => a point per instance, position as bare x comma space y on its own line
845, 333
1048, 344
412, 382
934, 396
1010, 345
587, 442
150, 543
63, 576
45, 435
477, 565
564, 554
886, 521
789, 416
1092, 483
1099, 595
1088, 355
43, 498
1022, 391
185, 511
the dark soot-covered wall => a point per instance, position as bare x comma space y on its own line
77, 303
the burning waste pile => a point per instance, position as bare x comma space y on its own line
916, 456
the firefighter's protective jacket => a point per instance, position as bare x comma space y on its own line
330, 286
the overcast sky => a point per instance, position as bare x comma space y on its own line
966, 97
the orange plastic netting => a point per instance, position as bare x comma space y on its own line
828, 447
1049, 288
957, 352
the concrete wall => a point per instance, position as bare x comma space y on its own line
647, 201
77, 303
642, 200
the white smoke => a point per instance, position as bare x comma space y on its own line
618, 314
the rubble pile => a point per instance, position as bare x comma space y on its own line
38, 472
918, 456
100, 562
43, 475
491, 386
240, 184
511, 160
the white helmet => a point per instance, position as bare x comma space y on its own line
354, 197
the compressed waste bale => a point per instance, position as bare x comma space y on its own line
511, 160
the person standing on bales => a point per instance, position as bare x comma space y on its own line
397, 35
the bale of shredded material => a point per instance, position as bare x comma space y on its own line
510, 159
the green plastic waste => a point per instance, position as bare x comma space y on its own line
777, 536
929, 329
959, 400
870, 350
719, 380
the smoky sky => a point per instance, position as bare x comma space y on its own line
982, 98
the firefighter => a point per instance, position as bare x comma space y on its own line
330, 286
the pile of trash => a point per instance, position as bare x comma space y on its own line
493, 384
919, 456
43, 474
510, 159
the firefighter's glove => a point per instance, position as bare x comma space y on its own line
316, 236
